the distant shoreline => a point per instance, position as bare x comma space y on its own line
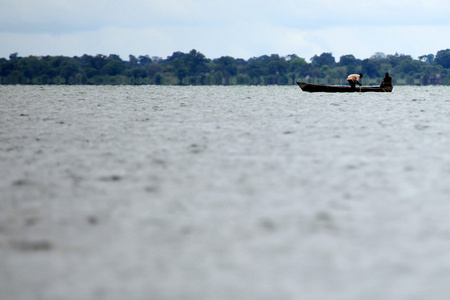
194, 68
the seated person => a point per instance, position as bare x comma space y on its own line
387, 81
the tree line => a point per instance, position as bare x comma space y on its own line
194, 68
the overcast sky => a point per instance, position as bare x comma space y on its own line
238, 28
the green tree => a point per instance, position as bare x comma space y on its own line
429, 58
115, 57
325, 58
181, 69
196, 62
138, 73
133, 61
5, 69
299, 67
341, 73
255, 69
14, 57
195, 68
443, 58
227, 66
30, 67
277, 67
144, 60
408, 66
432, 70
113, 68
153, 69
297, 64
99, 61
396, 59
385, 68
350, 62
370, 67
68, 69
330, 74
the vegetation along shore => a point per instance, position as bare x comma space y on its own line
194, 68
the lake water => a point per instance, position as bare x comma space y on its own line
159, 192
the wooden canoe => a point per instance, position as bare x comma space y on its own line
315, 88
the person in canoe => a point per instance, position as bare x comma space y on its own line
387, 81
354, 79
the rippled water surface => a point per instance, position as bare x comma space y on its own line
223, 193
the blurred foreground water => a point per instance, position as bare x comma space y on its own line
158, 192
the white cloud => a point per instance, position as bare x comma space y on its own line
106, 41
216, 28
